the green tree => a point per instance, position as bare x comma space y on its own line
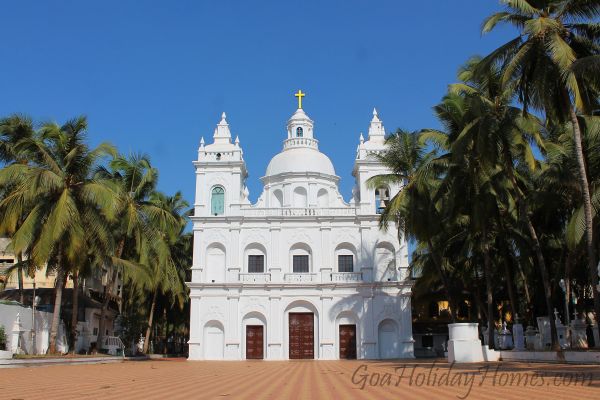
133, 180
13, 130
548, 66
164, 256
60, 204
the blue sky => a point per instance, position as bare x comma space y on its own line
154, 76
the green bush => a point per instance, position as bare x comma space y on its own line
2, 338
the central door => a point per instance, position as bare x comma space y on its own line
302, 336
347, 342
254, 342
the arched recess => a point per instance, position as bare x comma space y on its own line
215, 263
382, 198
252, 257
387, 335
300, 197
214, 340
300, 258
345, 257
277, 199
253, 320
302, 307
343, 321
385, 262
217, 200
323, 198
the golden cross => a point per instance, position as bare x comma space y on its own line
300, 95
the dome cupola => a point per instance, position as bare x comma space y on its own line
300, 150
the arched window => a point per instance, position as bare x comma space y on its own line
299, 132
255, 255
323, 198
277, 199
345, 254
217, 201
300, 197
301, 258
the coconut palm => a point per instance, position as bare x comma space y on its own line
508, 131
60, 204
163, 254
548, 66
413, 209
133, 179
13, 130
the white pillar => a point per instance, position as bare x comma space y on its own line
327, 336
368, 345
15, 342
232, 330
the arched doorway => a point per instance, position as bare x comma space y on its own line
388, 339
347, 336
301, 336
254, 332
214, 342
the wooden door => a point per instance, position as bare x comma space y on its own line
347, 342
302, 336
254, 342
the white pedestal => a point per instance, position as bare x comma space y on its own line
464, 345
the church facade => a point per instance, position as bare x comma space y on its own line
302, 273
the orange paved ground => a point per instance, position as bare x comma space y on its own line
179, 379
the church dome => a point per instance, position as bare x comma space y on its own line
300, 159
300, 150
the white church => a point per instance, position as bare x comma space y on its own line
301, 274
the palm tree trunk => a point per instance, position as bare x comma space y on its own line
487, 265
59, 286
587, 212
166, 331
525, 284
546, 282
537, 249
481, 312
514, 306
111, 278
445, 281
112, 275
75, 311
150, 318
568, 263
20, 279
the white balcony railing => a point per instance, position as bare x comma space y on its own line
298, 212
255, 277
300, 277
346, 276
301, 142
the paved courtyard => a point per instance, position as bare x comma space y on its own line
179, 379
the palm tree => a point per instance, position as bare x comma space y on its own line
65, 202
507, 132
13, 130
547, 66
412, 209
161, 254
133, 180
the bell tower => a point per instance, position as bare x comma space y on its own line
371, 200
220, 175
